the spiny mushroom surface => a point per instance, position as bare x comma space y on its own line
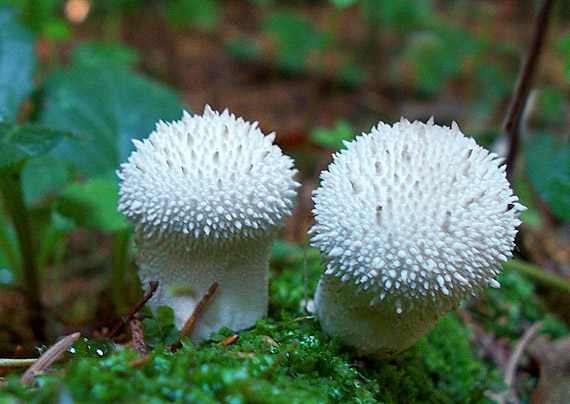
410, 219
206, 195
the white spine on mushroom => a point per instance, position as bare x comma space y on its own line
410, 219
206, 194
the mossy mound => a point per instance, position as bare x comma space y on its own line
283, 359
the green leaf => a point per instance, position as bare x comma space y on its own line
98, 52
343, 3
16, 64
295, 38
548, 165
160, 329
43, 176
109, 103
334, 137
92, 204
19, 143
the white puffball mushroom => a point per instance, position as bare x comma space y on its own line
206, 195
410, 219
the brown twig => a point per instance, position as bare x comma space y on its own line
490, 346
139, 361
515, 357
190, 322
229, 340
513, 118
16, 363
137, 335
48, 357
153, 285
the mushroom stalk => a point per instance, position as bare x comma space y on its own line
240, 267
206, 195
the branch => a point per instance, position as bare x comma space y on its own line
513, 118
47, 358
513, 361
153, 285
198, 309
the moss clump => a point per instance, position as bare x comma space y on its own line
283, 359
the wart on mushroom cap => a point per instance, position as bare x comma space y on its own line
206, 194
410, 219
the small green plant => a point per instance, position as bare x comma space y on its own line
75, 132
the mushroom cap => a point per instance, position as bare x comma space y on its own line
415, 216
206, 176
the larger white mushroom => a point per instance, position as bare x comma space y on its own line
410, 219
206, 195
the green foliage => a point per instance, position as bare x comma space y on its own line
243, 49
110, 104
95, 53
334, 137
160, 329
435, 56
92, 204
548, 111
453, 361
16, 64
55, 175
295, 37
185, 13
343, 3
398, 15
548, 166
91, 348
43, 17
19, 143
507, 308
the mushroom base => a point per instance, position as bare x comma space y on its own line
376, 330
185, 270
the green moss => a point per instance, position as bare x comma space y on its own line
283, 359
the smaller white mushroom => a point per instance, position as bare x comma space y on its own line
410, 219
206, 195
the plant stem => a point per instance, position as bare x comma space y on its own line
538, 274
524, 84
5, 245
11, 190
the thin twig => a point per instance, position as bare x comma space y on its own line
487, 342
515, 357
229, 340
295, 320
16, 363
198, 309
139, 361
524, 84
48, 357
153, 285
137, 335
